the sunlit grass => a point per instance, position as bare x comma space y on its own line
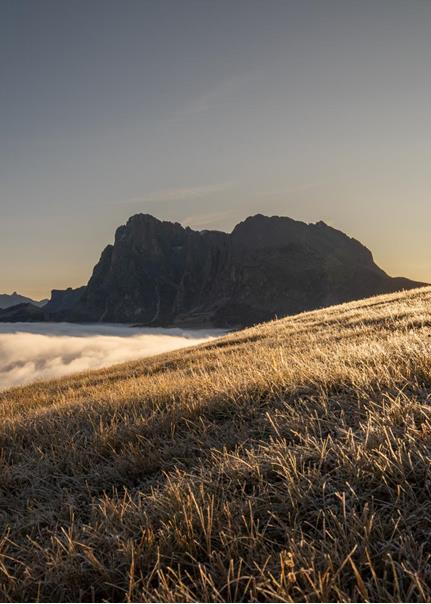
287, 462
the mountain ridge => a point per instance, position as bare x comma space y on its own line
8, 300
159, 273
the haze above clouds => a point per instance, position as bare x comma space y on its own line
205, 112
33, 352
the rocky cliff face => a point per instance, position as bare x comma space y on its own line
156, 273
62, 302
159, 273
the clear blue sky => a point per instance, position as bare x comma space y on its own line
205, 112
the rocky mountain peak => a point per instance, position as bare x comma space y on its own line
160, 273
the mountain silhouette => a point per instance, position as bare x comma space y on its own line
8, 300
160, 273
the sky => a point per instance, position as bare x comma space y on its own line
205, 112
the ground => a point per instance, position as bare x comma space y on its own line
287, 462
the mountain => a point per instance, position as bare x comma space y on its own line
63, 301
24, 312
160, 273
8, 300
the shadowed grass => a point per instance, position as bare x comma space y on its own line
287, 462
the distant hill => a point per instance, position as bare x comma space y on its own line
160, 273
289, 462
8, 300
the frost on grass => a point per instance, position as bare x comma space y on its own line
288, 462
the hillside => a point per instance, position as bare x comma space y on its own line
287, 462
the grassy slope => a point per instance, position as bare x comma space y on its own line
288, 462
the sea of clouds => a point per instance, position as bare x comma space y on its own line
38, 351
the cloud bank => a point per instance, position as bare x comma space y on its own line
33, 352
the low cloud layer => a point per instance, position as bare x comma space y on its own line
33, 352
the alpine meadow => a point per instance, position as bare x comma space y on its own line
286, 462
215, 301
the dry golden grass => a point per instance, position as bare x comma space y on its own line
288, 462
